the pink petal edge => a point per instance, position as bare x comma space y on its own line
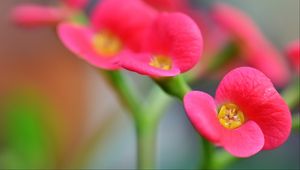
139, 63
244, 141
32, 15
201, 110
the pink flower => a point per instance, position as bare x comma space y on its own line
247, 115
116, 30
256, 49
172, 46
293, 52
33, 15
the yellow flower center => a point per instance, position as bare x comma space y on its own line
107, 44
230, 116
161, 62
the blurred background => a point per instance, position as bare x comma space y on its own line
52, 103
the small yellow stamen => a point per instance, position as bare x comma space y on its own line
162, 62
107, 44
230, 116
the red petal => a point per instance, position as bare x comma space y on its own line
31, 15
254, 93
233, 19
268, 60
259, 52
126, 18
169, 5
201, 110
77, 4
244, 141
177, 36
78, 39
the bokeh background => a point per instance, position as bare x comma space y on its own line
52, 104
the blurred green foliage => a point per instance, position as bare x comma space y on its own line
26, 141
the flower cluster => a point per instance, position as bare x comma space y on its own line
247, 115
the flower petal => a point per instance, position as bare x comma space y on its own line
31, 15
259, 52
177, 36
254, 93
168, 5
127, 19
78, 39
201, 110
233, 19
267, 59
77, 4
244, 141
140, 63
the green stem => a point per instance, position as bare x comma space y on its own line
146, 126
158, 100
291, 94
223, 159
227, 54
296, 122
207, 156
146, 142
124, 91
175, 86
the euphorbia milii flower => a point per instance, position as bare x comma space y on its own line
117, 29
33, 15
293, 52
173, 45
247, 115
256, 49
